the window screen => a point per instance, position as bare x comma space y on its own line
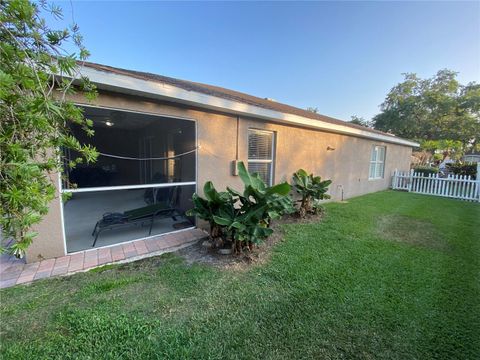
261, 145
134, 135
377, 162
147, 164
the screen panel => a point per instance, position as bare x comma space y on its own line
125, 135
122, 215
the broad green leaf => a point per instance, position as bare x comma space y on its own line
281, 189
221, 221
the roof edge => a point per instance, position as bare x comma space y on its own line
132, 85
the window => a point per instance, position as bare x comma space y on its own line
377, 162
261, 148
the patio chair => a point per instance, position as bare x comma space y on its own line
138, 216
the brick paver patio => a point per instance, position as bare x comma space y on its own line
15, 271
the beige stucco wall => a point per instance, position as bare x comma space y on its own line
347, 166
49, 242
296, 147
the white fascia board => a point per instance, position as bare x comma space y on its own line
131, 85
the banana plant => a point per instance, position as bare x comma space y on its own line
241, 223
257, 194
212, 205
243, 217
311, 189
259, 205
245, 226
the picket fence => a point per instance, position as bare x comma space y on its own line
452, 186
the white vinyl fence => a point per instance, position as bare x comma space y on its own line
453, 186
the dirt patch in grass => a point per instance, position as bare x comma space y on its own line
199, 254
411, 231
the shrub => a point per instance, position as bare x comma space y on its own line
242, 218
425, 170
312, 189
463, 169
36, 79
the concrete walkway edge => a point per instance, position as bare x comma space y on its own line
15, 271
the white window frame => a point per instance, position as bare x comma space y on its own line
269, 161
377, 162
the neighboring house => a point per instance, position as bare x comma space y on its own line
161, 139
473, 158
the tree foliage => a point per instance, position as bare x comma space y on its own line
36, 77
454, 149
439, 108
357, 120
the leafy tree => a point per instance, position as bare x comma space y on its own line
439, 108
451, 148
36, 77
357, 120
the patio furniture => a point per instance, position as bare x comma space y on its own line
138, 216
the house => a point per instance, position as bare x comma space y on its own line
161, 139
473, 157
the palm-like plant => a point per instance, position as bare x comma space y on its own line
243, 217
312, 189
212, 205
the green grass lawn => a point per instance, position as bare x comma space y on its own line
387, 275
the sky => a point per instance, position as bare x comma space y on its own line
340, 57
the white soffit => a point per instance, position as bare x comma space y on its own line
132, 85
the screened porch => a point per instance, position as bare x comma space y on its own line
141, 184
